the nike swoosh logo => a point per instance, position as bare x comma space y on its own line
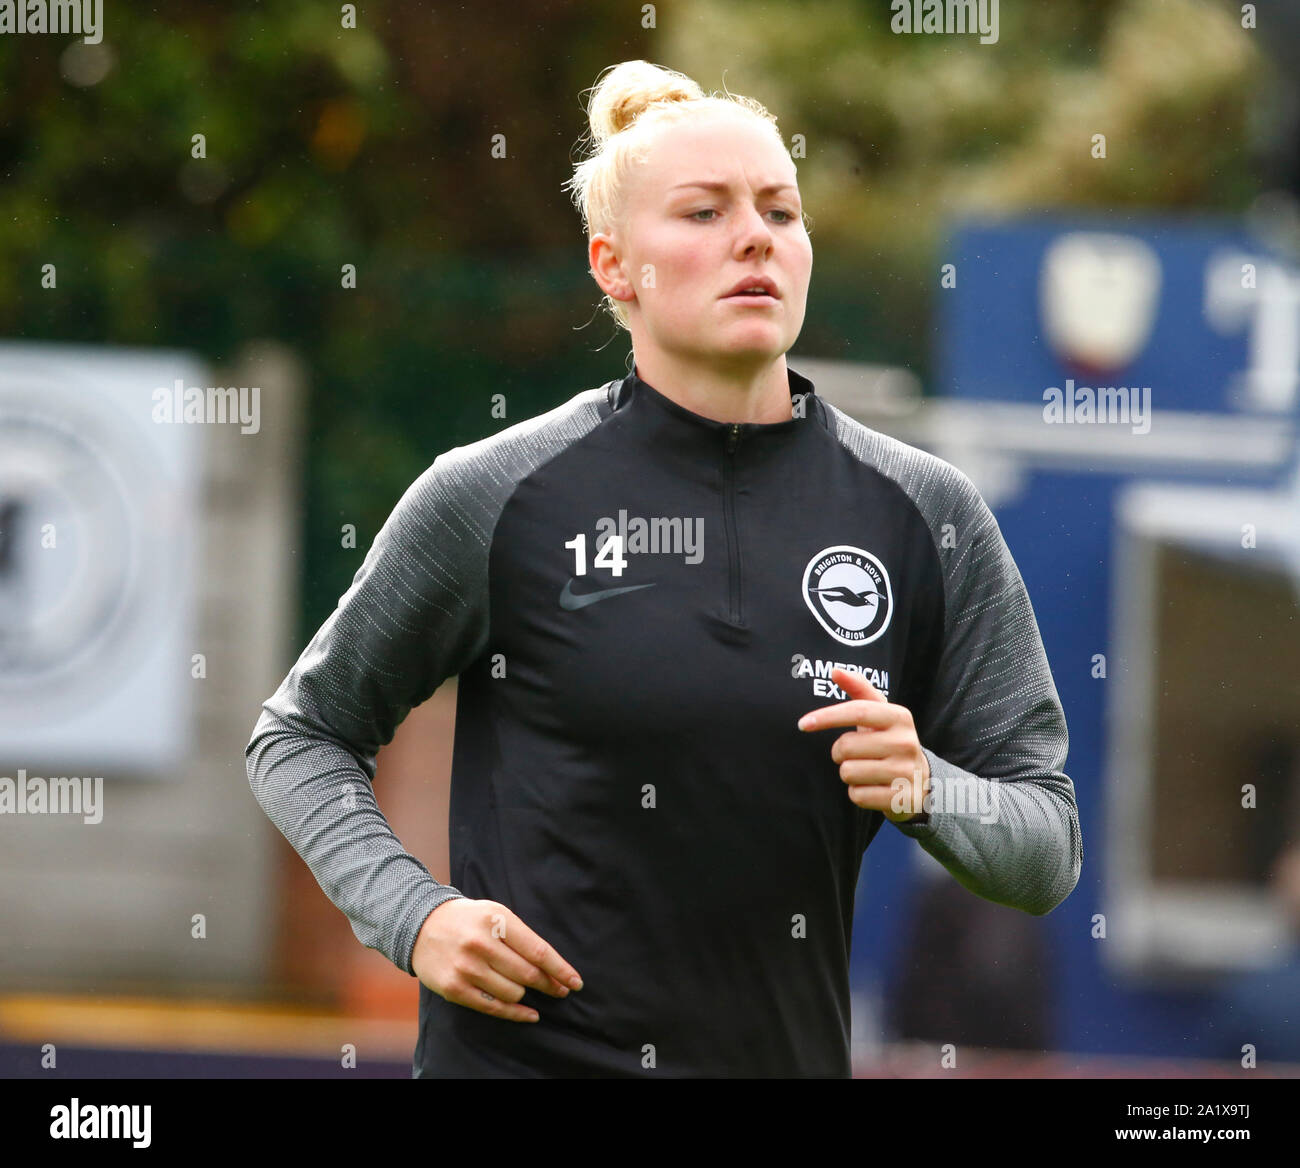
571, 600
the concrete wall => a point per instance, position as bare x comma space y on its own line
109, 906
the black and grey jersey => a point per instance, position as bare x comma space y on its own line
640, 603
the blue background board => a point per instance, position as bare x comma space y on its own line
990, 344
1060, 529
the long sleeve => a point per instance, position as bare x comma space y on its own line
1004, 819
415, 614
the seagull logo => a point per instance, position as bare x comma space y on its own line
847, 589
842, 595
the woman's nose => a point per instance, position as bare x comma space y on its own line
754, 231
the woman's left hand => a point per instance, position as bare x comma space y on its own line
880, 758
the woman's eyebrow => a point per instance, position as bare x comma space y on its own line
721, 186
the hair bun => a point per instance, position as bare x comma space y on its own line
628, 89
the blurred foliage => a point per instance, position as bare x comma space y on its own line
373, 146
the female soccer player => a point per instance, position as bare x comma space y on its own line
655, 596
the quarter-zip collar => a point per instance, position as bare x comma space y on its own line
666, 420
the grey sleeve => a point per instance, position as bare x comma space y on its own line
415, 614
1004, 820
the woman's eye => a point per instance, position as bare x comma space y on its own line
788, 216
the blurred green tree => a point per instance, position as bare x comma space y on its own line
326, 145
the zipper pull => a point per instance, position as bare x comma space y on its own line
732, 436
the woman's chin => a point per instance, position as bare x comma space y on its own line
759, 341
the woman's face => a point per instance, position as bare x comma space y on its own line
681, 248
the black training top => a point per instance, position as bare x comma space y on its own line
640, 603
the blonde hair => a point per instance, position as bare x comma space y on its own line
629, 105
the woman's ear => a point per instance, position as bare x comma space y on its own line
606, 266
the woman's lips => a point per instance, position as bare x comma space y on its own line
764, 299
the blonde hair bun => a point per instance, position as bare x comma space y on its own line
628, 89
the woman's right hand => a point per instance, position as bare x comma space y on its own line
477, 953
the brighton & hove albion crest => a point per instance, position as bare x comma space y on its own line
848, 591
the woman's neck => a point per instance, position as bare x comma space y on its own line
750, 394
